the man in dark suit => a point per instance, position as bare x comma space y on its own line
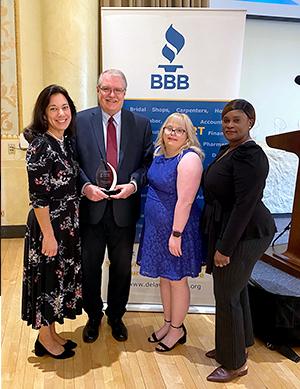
109, 132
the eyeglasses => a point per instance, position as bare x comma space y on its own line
178, 131
107, 91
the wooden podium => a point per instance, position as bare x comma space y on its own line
287, 257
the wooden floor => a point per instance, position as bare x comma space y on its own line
111, 364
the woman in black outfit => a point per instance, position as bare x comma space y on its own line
52, 256
239, 229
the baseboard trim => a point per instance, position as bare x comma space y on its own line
13, 231
281, 215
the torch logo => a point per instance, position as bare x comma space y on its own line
169, 80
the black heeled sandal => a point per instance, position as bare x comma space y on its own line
164, 348
40, 351
153, 338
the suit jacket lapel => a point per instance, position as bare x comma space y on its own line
97, 128
127, 126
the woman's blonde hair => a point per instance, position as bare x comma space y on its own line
191, 141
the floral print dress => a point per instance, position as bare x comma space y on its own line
52, 285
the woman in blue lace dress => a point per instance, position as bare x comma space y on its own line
52, 265
171, 246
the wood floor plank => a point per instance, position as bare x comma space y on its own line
133, 364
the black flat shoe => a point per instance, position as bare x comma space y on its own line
91, 330
69, 345
164, 348
118, 329
40, 351
212, 354
153, 338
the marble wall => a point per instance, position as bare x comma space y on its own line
42, 42
9, 91
14, 197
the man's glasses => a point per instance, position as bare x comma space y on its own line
177, 131
107, 91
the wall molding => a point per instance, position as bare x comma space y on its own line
13, 231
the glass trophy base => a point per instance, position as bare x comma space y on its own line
111, 192
106, 178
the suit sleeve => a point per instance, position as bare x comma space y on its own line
140, 175
250, 170
82, 177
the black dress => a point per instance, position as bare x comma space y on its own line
52, 285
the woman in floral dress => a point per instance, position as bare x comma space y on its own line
52, 267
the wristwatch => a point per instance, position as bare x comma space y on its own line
177, 234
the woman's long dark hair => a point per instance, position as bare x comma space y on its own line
39, 124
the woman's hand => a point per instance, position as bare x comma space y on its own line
220, 259
175, 246
49, 243
49, 246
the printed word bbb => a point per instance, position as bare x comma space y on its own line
169, 81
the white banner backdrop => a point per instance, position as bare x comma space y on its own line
188, 57
211, 55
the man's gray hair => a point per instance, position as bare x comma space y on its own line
113, 72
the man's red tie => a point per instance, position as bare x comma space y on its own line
111, 147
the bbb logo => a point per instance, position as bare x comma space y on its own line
169, 80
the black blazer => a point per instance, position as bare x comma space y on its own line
135, 156
233, 190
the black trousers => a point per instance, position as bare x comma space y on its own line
234, 330
119, 243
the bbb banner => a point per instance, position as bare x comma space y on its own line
184, 60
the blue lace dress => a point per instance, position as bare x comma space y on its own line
154, 256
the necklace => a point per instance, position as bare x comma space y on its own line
55, 137
233, 148
245, 141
